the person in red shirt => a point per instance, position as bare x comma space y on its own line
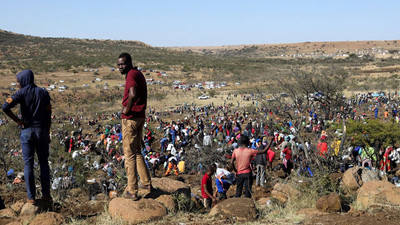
133, 117
287, 161
243, 156
322, 147
206, 187
271, 158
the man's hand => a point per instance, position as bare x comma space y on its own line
21, 123
124, 110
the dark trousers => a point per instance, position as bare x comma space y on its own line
36, 140
245, 180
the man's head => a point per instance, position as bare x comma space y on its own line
124, 63
24, 78
243, 141
211, 169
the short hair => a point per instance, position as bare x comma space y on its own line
212, 167
127, 57
243, 140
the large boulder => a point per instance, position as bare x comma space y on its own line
48, 218
284, 192
136, 211
170, 186
378, 193
168, 202
329, 203
243, 209
355, 177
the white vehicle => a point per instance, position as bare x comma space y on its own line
60, 90
98, 79
105, 87
13, 84
49, 89
85, 85
62, 81
120, 85
53, 86
202, 97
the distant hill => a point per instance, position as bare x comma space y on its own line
47, 54
235, 63
327, 49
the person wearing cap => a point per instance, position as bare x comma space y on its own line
261, 162
35, 122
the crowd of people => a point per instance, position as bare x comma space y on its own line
253, 139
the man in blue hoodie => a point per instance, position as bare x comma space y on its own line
35, 121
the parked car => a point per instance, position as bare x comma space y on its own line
202, 97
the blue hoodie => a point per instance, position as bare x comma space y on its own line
34, 101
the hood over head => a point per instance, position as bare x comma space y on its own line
25, 77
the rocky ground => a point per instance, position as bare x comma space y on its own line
174, 201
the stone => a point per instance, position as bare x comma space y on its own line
355, 177
29, 209
368, 175
170, 186
168, 202
329, 203
90, 208
284, 192
352, 180
378, 193
17, 206
48, 218
135, 212
243, 209
7, 212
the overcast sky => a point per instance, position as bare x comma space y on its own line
205, 22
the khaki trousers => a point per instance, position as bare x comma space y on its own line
132, 130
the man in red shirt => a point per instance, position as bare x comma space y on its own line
133, 117
206, 187
243, 155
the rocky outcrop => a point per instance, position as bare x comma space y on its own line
242, 209
168, 202
134, 212
355, 177
48, 218
329, 203
284, 192
170, 186
378, 193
